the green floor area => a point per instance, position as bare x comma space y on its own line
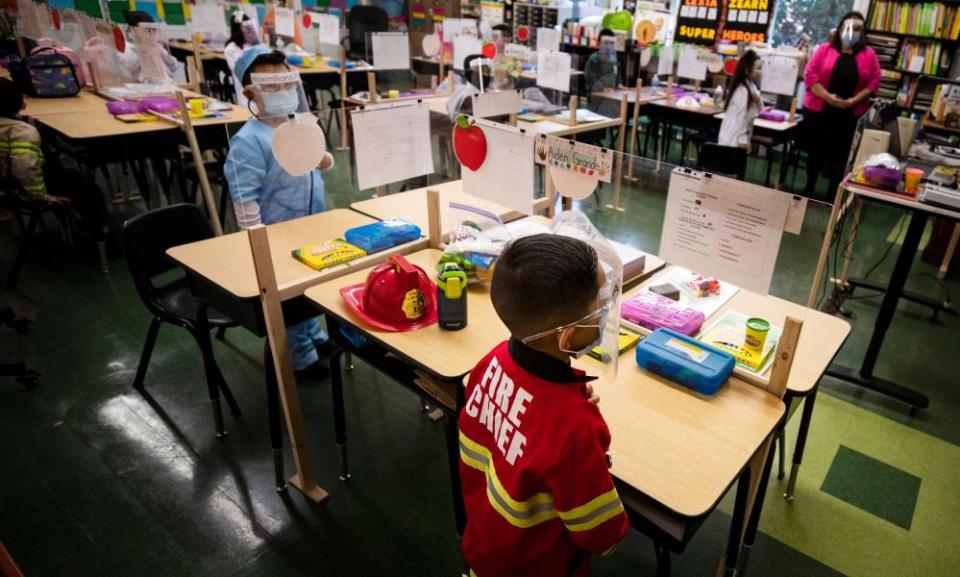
98, 479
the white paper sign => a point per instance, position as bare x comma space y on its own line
518, 51
497, 103
665, 62
689, 64
548, 39
285, 25
916, 64
464, 46
392, 143
506, 176
491, 12
28, 19
209, 18
779, 75
453, 27
391, 50
553, 70
329, 32
152, 67
723, 228
574, 156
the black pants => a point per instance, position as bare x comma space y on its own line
828, 137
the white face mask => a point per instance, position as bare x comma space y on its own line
849, 36
281, 103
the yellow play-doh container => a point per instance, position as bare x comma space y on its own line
757, 330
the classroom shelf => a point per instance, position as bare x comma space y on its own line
912, 36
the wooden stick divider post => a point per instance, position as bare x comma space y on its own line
574, 102
186, 124
304, 479
450, 77
618, 155
343, 100
825, 249
372, 87
434, 230
633, 129
198, 58
779, 373
948, 256
440, 76
793, 110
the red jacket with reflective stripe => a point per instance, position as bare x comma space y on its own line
533, 464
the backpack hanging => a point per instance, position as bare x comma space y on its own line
48, 72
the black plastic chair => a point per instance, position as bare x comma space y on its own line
146, 238
723, 160
363, 20
28, 214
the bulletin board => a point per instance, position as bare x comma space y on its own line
705, 22
698, 22
747, 20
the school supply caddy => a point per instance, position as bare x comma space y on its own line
685, 360
331, 253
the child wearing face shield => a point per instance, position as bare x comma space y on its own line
129, 59
530, 426
743, 102
243, 34
602, 70
840, 77
261, 190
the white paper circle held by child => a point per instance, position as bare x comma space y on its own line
645, 55
431, 45
299, 145
572, 184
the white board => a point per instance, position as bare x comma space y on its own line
779, 74
464, 46
329, 29
553, 70
285, 25
496, 103
209, 18
689, 65
392, 143
548, 39
506, 176
723, 228
391, 50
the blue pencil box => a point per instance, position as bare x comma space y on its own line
378, 236
685, 360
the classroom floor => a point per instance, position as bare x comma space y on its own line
97, 479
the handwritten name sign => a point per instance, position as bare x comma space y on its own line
575, 156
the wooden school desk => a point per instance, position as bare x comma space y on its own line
820, 341
222, 271
675, 453
773, 134
84, 101
893, 291
412, 206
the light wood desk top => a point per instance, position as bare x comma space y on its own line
678, 447
562, 129
702, 110
227, 261
781, 126
97, 122
412, 206
820, 340
82, 102
910, 202
448, 354
646, 95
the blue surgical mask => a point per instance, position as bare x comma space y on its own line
282, 103
849, 36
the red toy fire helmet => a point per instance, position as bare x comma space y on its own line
397, 296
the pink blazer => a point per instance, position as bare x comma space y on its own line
821, 66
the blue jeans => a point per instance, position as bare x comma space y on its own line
303, 339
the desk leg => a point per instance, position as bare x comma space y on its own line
273, 415
735, 539
801, 443
864, 376
339, 419
754, 522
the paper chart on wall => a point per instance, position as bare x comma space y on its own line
392, 143
506, 176
723, 228
553, 70
209, 18
329, 29
391, 51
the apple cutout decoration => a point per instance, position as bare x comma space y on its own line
469, 143
55, 16
489, 50
118, 39
730, 66
523, 33
307, 20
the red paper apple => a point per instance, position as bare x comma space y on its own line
469, 143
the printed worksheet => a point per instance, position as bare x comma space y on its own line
391, 51
690, 65
392, 143
779, 75
723, 228
329, 29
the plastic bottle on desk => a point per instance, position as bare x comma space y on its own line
718, 98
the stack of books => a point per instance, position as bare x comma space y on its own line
930, 19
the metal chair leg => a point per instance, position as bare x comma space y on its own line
781, 452
663, 560
147, 351
202, 335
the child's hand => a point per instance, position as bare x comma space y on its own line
327, 161
592, 396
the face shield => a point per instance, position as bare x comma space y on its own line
276, 96
251, 36
608, 48
851, 31
598, 332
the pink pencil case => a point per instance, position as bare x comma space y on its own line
653, 311
774, 115
116, 107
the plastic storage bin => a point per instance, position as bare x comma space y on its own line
685, 360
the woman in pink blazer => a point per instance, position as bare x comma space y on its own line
840, 78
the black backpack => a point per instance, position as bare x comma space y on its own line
47, 72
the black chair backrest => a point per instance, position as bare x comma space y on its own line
362, 21
147, 236
472, 75
723, 160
